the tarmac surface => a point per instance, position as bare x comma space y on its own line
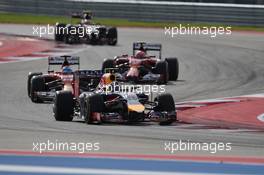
209, 68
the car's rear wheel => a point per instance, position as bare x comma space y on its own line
112, 36
59, 32
30, 76
37, 85
63, 106
162, 69
93, 103
108, 63
173, 66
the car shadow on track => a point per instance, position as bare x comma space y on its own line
120, 123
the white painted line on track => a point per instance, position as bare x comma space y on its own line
224, 99
254, 95
51, 53
62, 170
26, 39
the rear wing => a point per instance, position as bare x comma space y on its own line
76, 15
59, 60
86, 14
147, 47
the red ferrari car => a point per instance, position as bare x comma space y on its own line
142, 67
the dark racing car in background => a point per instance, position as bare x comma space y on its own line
142, 67
85, 32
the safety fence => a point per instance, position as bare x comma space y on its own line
166, 11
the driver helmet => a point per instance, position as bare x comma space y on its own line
87, 16
67, 69
140, 54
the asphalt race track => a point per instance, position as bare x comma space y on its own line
209, 68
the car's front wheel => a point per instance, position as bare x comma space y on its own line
93, 103
173, 66
37, 85
63, 106
165, 104
30, 76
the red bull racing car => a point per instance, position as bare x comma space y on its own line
142, 67
95, 96
108, 103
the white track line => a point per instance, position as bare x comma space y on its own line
62, 170
223, 99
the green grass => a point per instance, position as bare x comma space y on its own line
17, 18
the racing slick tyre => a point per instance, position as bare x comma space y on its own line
69, 39
59, 32
30, 76
165, 103
173, 65
162, 69
37, 84
63, 108
108, 63
112, 36
93, 103
93, 39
